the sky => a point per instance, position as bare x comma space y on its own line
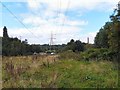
35, 20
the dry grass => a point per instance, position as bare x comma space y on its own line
15, 67
50, 72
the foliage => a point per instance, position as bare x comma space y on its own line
114, 34
109, 37
13, 46
75, 46
101, 39
98, 54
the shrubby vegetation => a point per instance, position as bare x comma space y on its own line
98, 54
93, 54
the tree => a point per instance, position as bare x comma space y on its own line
71, 45
5, 34
5, 42
114, 34
110, 35
79, 46
75, 46
101, 39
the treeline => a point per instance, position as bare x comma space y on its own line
108, 37
14, 46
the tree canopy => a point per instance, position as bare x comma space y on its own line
109, 35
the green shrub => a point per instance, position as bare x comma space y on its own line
69, 55
98, 54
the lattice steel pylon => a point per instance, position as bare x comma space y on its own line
51, 41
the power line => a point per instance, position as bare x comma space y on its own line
65, 14
60, 6
17, 19
37, 14
59, 9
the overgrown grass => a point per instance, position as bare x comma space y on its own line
64, 73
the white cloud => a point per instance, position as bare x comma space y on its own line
41, 35
34, 20
33, 4
55, 4
77, 23
61, 19
85, 4
49, 16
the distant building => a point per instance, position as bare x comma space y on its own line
88, 40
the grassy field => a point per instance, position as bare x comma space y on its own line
50, 72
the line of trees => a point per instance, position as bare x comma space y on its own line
75, 46
109, 36
14, 46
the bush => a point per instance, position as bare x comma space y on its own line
98, 54
69, 55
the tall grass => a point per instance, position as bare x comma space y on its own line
65, 73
